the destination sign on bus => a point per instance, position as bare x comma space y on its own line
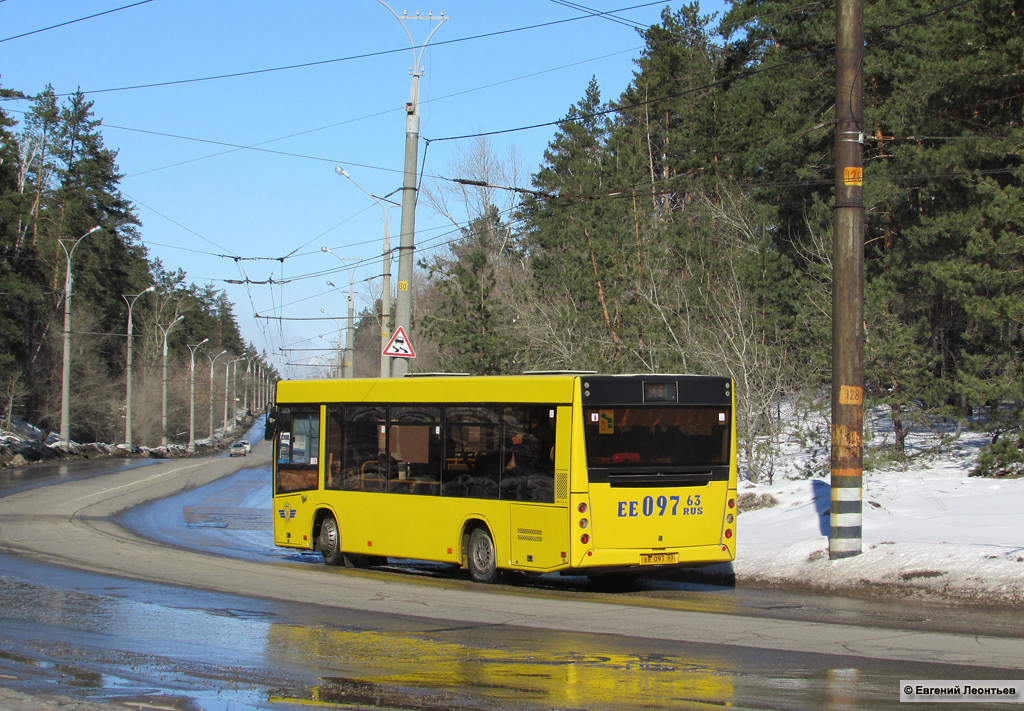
659, 392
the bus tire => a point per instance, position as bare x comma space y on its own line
329, 541
483, 564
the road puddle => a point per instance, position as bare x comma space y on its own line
386, 668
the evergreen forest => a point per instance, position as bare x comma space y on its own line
59, 181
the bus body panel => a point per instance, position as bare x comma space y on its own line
539, 537
556, 390
662, 517
407, 526
292, 520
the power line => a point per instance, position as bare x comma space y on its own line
71, 22
367, 55
711, 85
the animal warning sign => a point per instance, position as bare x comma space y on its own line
399, 345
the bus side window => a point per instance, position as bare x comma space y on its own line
415, 450
528, 454
298, 451
364, 465
472, 454
332, 449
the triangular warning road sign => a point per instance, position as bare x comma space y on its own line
399, 345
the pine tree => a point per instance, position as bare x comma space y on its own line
946, 238
472, 321
576, 238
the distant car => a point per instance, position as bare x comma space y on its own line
239, 449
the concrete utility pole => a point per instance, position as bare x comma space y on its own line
227, 382
349, 351
845, 517
163, 411
245, 387
65, 383
213, 362
407, 244
385, 293
192, 395
128, 372
345, 368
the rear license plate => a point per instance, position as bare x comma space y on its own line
658, 558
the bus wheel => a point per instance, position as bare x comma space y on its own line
329, 542
483, 567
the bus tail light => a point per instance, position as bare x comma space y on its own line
582, 508
728, 533
585, 538
732, 503
730, 518
584, 523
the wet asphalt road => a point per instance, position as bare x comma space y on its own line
417, 636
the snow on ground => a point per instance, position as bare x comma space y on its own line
929, 530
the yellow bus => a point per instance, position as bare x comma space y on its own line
574, 473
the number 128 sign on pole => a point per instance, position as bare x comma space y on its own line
399, 345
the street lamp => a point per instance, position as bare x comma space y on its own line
192, 395
245, 386
212, 360
340, 359
227, 382
385, 298
128, 371
350, 327
163, 416
234, 388
65, 388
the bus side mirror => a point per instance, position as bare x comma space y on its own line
270, 429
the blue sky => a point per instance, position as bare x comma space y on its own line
202, 201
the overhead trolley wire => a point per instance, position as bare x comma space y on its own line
711, 85
71, 22
366, 55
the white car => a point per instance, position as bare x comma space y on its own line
240, 448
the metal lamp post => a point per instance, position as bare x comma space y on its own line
234, 389
128, 372
350, 328
340, 359
385, 297
192, 395
227, 381
213, 360
245, 386
65, 389
163, 412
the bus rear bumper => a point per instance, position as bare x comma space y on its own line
637, 561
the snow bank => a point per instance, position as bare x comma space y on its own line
929, 530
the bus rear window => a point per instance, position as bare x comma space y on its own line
630, 438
